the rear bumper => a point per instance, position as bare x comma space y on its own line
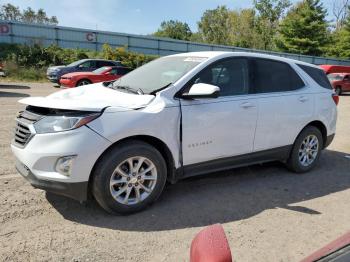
77, 191
329, 140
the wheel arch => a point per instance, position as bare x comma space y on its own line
320, 126
151, 140
82, 79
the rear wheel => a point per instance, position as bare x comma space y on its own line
83, 82
338, 90
306, 150
129, 178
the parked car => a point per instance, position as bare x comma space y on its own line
2, 71
329, 69
103, 74
54, 73
340, 82
175, 117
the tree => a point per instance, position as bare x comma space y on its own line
214, 26
29, 15
304, 30
12, 13
340, 44
174, 29
269, 14
340, 12
243, 33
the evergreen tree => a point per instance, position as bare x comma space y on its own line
304, 30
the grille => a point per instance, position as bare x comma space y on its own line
23, 132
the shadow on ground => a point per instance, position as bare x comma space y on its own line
222, 197
9, 86
12, 94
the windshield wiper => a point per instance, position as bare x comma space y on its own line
160, 89
127, 88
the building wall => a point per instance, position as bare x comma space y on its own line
66, 37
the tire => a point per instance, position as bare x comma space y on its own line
296, 162
105, 178
338, 90
83, 82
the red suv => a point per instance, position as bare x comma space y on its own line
340, 82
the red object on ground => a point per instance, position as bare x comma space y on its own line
211, 245
103, 74
335, 69
337, 244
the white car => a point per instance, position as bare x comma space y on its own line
178, 116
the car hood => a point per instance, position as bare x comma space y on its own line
93, 97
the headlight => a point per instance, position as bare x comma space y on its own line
52, 124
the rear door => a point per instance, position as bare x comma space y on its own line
284, 102
346, 83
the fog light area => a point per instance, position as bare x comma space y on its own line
64, 165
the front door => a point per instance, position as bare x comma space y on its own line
222, 127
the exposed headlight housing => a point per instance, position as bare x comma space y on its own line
53, 124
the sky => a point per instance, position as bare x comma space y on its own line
130, 16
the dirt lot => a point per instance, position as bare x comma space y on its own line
268, 213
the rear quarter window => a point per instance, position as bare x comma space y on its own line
318, 75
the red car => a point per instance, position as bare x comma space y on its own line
340, 82
103, 74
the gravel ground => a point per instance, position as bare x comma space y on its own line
268, 213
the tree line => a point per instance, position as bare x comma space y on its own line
276, 25
10, 12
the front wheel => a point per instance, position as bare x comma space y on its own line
84, 82
306, 150
129, 177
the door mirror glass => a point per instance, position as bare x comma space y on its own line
201, 90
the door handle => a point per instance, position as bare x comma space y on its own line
303, 99
247, 105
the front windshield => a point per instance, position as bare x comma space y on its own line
334, 77
101, 70
159, 73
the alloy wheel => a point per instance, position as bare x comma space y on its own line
133, 180
308, 150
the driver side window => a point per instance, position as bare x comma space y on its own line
230, 75
87, 64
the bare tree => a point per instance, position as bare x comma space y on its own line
340, 12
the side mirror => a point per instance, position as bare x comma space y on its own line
202, 91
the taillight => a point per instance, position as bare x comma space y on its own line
335, 98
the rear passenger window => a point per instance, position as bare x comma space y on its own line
273, 76
318, 75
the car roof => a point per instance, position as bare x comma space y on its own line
213, 54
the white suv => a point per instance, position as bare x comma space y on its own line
175, 117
